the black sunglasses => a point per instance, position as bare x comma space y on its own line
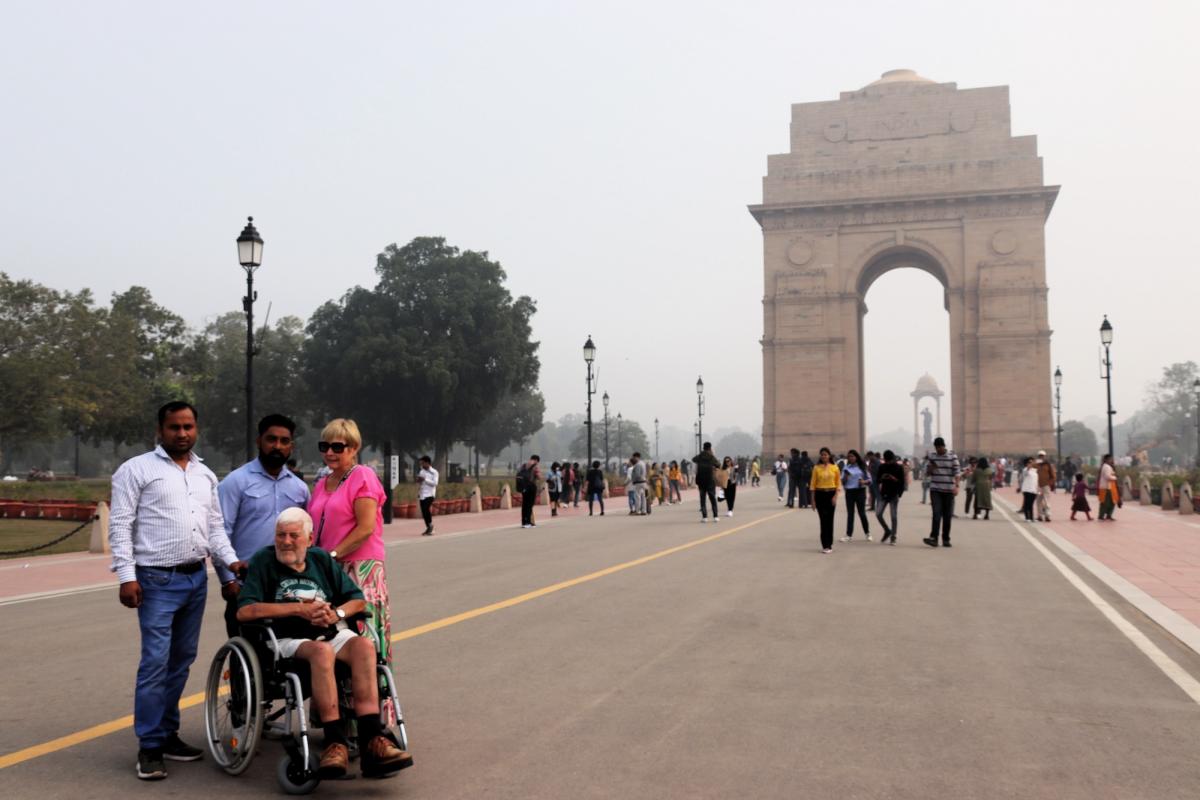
337, 447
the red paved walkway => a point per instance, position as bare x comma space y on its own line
1157, 551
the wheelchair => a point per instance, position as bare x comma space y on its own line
242, 698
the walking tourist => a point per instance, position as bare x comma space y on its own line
892, 483
1027, 486
854, 484
165, 520
595, 488
706, 468
554, 485
1106, 488
576, 482
635, 479
730, 485
1047, 483
1079, 498
252, 496
527, 479
968, 481
675, 478
795, 477
806, 468
924, 471
872, 468
982, 478
755, 472
942, 468
780, 471
349, 506
428, 478
824, 484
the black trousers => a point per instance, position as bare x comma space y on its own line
427, 511
825, 510
943, 512
883, 504
730, 494
970, 497
856, 500
1027, 505
528, 498
709, 492
595, 495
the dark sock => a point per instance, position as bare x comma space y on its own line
368, 728
334, 732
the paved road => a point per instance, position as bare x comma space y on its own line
746, 665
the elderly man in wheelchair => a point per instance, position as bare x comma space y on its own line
301, 604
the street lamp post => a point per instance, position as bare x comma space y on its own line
1196, 390
656, 438
250, 247
696, 433
1058, 412
604, 399
1106, 337
589, 355
700, 410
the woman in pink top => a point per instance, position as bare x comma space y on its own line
347, 509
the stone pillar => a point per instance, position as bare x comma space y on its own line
505, 497
1186, 506
1144, 493
476, 501
1168, 496
1127, 489
99, 540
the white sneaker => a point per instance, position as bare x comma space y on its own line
703, 520
845, 539
827, 550
869, 539
729, 513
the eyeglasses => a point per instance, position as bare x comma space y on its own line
337, 447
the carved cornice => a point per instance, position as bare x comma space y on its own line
1032, 201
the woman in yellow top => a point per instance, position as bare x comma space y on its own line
675, 478
825, 482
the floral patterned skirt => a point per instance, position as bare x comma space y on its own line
369, 576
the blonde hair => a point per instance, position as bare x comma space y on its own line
344, 429
292, 516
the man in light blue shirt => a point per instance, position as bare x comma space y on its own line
253, 495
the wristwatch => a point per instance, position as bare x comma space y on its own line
341, 613
333, 554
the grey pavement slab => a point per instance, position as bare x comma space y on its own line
748, 666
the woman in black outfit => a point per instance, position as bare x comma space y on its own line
595, 487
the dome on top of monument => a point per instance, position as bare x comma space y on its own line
927, 384
899, 76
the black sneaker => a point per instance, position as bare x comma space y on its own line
177, 749
930, 541
945, 544
150, 766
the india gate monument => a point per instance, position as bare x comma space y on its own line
906, 172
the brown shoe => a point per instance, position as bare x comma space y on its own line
334, 762
382, 757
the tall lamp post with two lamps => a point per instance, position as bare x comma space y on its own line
604, 400
589, 355
1058, 412
1106, 337
700, 412
250, 247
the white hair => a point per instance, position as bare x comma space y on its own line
291, 516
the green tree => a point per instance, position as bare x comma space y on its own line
517, 416
36, 364
423, 357
1078, 440
628, 440
1173, 397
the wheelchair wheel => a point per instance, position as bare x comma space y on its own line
233, 705
293, 778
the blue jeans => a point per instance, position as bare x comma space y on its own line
170, 615
781, 482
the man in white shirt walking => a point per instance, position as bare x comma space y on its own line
165, 521
428, 478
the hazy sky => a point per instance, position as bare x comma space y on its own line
604, 153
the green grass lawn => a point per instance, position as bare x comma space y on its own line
91, 490
16, 534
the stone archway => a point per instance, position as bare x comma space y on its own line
906, 173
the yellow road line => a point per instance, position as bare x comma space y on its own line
123, 723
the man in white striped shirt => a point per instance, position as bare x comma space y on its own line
165, 520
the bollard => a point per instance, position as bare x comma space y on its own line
544, 495
476, 501
505, 497
1144, 499
1127, 488
1186, 506
605, 495
1168, 496
99, 541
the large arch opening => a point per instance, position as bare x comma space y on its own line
904, 338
